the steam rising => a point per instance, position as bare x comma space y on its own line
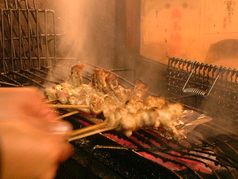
73, 21
92, 33
89, 30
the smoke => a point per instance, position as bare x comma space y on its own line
74, 25
95, 32
89, 28
88, 33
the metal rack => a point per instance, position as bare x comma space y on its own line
28, 36
18, 4
213, 89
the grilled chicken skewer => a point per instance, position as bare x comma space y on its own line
121, 107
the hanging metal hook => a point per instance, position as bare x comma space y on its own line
197, 91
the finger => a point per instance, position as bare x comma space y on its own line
30, 92
47, 113
34, 104
60, 127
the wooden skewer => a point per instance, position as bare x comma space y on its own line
92, 127
90, 130
68, 106
68, 114
89, 133
86, 131
51, 101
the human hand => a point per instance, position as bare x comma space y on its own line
24, 102
29, 151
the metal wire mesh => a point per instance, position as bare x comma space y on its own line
213, 88
28, 36
18, 4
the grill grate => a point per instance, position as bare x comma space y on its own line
179, 160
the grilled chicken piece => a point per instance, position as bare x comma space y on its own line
62, 91
137, 114
50, 93
150, 102
107, 83
75, 78
99, 80
169, 117
133, 105
157, 102
58, 92
139, 90
110, 106
63, 95
117, 90
130, 122
96, 104
86, 95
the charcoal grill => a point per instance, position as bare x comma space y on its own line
29, 58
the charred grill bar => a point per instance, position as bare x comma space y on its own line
29, 56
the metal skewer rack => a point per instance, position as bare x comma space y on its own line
214, 89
